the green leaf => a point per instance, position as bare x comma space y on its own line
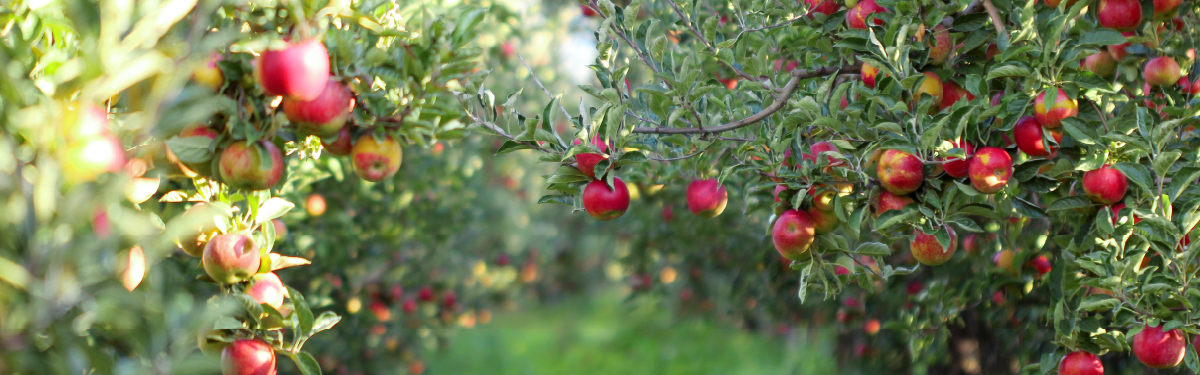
283, 261
307, 364
1070, 203
1101, 37
1138, 174
803, 287
302, 311
1007, 71
1104, 303
191, 149
325, 321
565, 200
1163, 162
273, 208
873, 249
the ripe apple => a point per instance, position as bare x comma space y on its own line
822, 221
1041, 264
990, 169
209, 74
1028, 134
266, 288
409, 306
606, 203
1116, 214
793, 233
952, 93
869, 75
1120, 15
342, 144
779, 189
940, 45
871, 327
668, 213
1118, 50
380, 310
85, 160
324, 115
706, 198
1051, 117
822, 200
134, 268
202, 215
820, 147
587, 160
1187, 87
231, 258
1158, 349
251, 167
957, 167
1054, 3
971, 243
299, 71
789, 67
900, 172
1101, 63
927, 250
932, 86
315, 204
425, 294
826, 7
1106, 185
1004, 259
1080, 363
856, 17
1166, 9
888, 201
588, 11
1161, 71
375, 160
248, 357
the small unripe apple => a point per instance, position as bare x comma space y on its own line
1051, 116
209, 74
1120, 15
248, 357
324, 115
1106, 185
888, 201
231, 258
940, 45
1166, 9
299, 71
900, 172
1161, 71
266, 288
826, 7
990, 169
856, 17
1102, 63
1028, 134
1080, 363
793, 233
375, 160
606, 203
1158, 349
706, 198
957, 167
869, 75
927, 250
257, 166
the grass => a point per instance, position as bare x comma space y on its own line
603, 335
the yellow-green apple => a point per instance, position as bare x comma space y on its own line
952, 93
340, 144
202, 132
298, 71
822, 198
1028, 134
587, 161
826, 7
84, 160
1040, 264
1080, 363
1051, 116
888, 201
231, 258
990, 169
248, 357
134, 268
1120, 15
1158, 349
202, 216
932, 86
1166, 9
940, 45
1101, 63
315, 204
955, 166
823, 221
900, 172
869, 75
1004, 259
1187, 87
257, 166
605, 203
927, 250
970, 243
266, 288
857, 16
209, 74
706, 198
793, 233
1106, 185
376, 160
324, 115
1118, 50
1161, 71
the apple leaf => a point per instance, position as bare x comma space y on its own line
1099, 302
279, 262
803, 282
1137, 174
325, 321
873, 249
191, 149
1070, 202
302, 312
566, 200
307, 364
272, 209
1101, 37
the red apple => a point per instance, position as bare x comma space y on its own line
409, 306
1161, 71
375, 160
1028, 134
1166, 9
888, 201
823, 221
932, 86
791, 64
952, 93
837, 269
266, 288
927, 250
706, 198
341, 144
871, 327
1054, 3
281, 231
425, 294
324, 115
1158, 349
1116, 214
1187, 87
1052, 116
818, 148
299, 71
1118, 50
1041, 264
1120, 15
990, 169
900, 172
957, 167
914, 288
209, 74
1080, 363
856, 17
315, 204
970, 243
869, 75
606, 203
588, 11
587, 160
1101, 63
779, 189
793, 233
1106, 185
248, 357
231, 258
826, 7
85, 160
940, 45
251, 167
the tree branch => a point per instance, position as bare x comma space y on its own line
543, 87
995, 16
797, 76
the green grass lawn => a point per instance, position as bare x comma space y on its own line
603, 335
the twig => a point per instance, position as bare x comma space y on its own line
692, 27
539, 83
502, 133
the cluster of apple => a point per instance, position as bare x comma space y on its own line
705, 197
